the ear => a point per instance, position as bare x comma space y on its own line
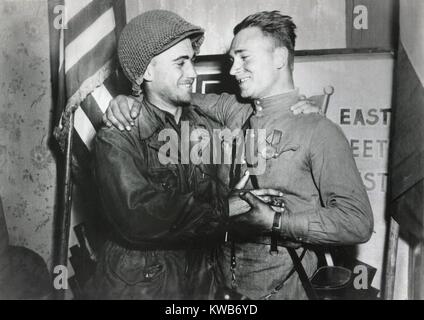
149, 74
281, 57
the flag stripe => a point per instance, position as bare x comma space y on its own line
81, 152
90, 84
102, 97
89, 39
112, 85
93, 107
93, 112
72, 7
90, 64
84, 127
84, 19
118, 84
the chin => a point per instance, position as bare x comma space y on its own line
184, 101
245, 95
183, 95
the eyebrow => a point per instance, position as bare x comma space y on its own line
235, 52
182, 58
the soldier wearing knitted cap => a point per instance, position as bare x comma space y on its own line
164, 217
150, 34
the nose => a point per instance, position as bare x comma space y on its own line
235, 68
190, 71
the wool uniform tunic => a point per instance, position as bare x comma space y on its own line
309, 159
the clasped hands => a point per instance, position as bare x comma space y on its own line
251, 211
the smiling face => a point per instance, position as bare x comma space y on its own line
170, 75
255, 64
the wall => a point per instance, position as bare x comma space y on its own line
361, 106
220, 16
27, 168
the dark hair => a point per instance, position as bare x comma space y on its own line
273, 24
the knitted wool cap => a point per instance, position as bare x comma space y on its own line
148, 35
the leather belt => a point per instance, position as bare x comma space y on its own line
265, 240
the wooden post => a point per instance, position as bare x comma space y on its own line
416, 272
390, 275
65, 219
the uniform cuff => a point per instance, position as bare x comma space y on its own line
294, 226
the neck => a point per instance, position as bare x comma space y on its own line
163, 105
283, 90
283, 85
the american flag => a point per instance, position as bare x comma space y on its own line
85, 56
83, 39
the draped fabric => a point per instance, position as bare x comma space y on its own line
407, 136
